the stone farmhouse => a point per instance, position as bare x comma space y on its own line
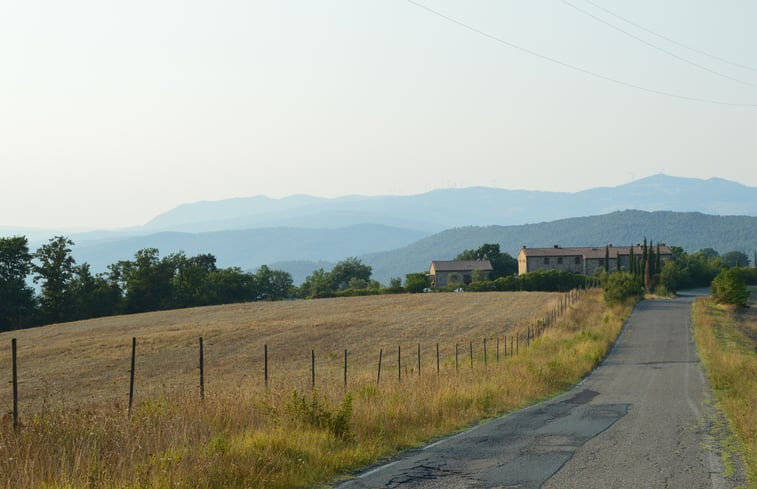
585, 260
440, 271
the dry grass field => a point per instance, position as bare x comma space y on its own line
726, 339
75, 432
89, 361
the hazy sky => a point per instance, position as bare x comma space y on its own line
112, 112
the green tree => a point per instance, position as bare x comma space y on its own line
280, 284
17, 303
416, 282
231, 285
55, 269
708, 253
357, 284
607, 259
395, 284
147, 281
689, 271
346, 270
94, 296
621, 286
658, 262
729, 287
190, 283
735, 259
317, 284
503, 264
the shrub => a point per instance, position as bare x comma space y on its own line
620, 286
416, 282
729, 287
318, 414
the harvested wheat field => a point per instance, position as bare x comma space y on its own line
88, 362
74, 431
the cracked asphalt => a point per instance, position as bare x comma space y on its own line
642, 419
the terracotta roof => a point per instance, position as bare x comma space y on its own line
459, 266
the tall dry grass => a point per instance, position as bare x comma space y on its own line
726, 341
290, 436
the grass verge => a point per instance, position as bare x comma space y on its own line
726, 341
293, 438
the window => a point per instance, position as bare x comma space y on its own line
559, 260
546, 260
578, 260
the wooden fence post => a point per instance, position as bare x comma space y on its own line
437, 357
399, 363
419, 359
471, 353
484, 352
457, 365
378, 377
345, 369
265, 364
312, 369
202, 373
131, 372
15, 383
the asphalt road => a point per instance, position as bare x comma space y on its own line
642, 419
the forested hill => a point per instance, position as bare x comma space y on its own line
690, 230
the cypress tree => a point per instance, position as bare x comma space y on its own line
644, 257
651, 258
607, 259
658, 265
631, 261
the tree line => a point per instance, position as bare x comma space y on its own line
67, 291
724, 274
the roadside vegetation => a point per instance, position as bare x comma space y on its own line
292, 436
727, 341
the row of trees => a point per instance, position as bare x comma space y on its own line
688, 271
726, 274
69, 291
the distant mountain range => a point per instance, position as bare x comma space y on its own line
401, 234
475, 206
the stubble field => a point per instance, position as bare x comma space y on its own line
85, 362
75, 432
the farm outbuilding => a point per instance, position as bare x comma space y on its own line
460, 271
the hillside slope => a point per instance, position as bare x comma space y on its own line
251, 248
691, 231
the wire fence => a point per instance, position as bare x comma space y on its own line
410, 364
